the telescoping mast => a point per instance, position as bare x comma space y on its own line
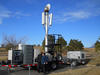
46, 22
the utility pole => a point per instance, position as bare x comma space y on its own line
46, 21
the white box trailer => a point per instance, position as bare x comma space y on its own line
76, 57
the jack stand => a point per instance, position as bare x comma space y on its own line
29, 70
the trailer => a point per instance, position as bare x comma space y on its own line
24, 56
76, 57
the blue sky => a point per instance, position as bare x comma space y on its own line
74, 19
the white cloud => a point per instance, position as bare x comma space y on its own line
72, 16
18, 13
82, 10
5, 13
78, 14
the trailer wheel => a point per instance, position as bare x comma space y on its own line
53, 66
83, 62
73, 64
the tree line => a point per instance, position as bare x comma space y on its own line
74, 44
97, 45
12, 42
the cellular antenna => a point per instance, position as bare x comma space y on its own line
46, 22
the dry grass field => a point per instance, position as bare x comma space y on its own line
95, 60
83, 71
3, 58
3, 54
93, 67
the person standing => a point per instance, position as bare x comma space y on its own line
44, 62
39, 66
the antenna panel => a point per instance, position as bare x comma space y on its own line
51, 15
43, 18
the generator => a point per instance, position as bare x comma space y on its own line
76, 57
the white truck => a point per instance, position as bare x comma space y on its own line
76, 57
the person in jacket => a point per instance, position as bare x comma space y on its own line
39, 66
44, 62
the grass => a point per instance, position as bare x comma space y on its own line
82, 71
3, 55
89, 70
3, 58
95, 60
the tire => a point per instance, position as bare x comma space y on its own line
83, 62
59, 57
73, 64
54, 66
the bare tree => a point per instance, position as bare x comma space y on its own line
11, 41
